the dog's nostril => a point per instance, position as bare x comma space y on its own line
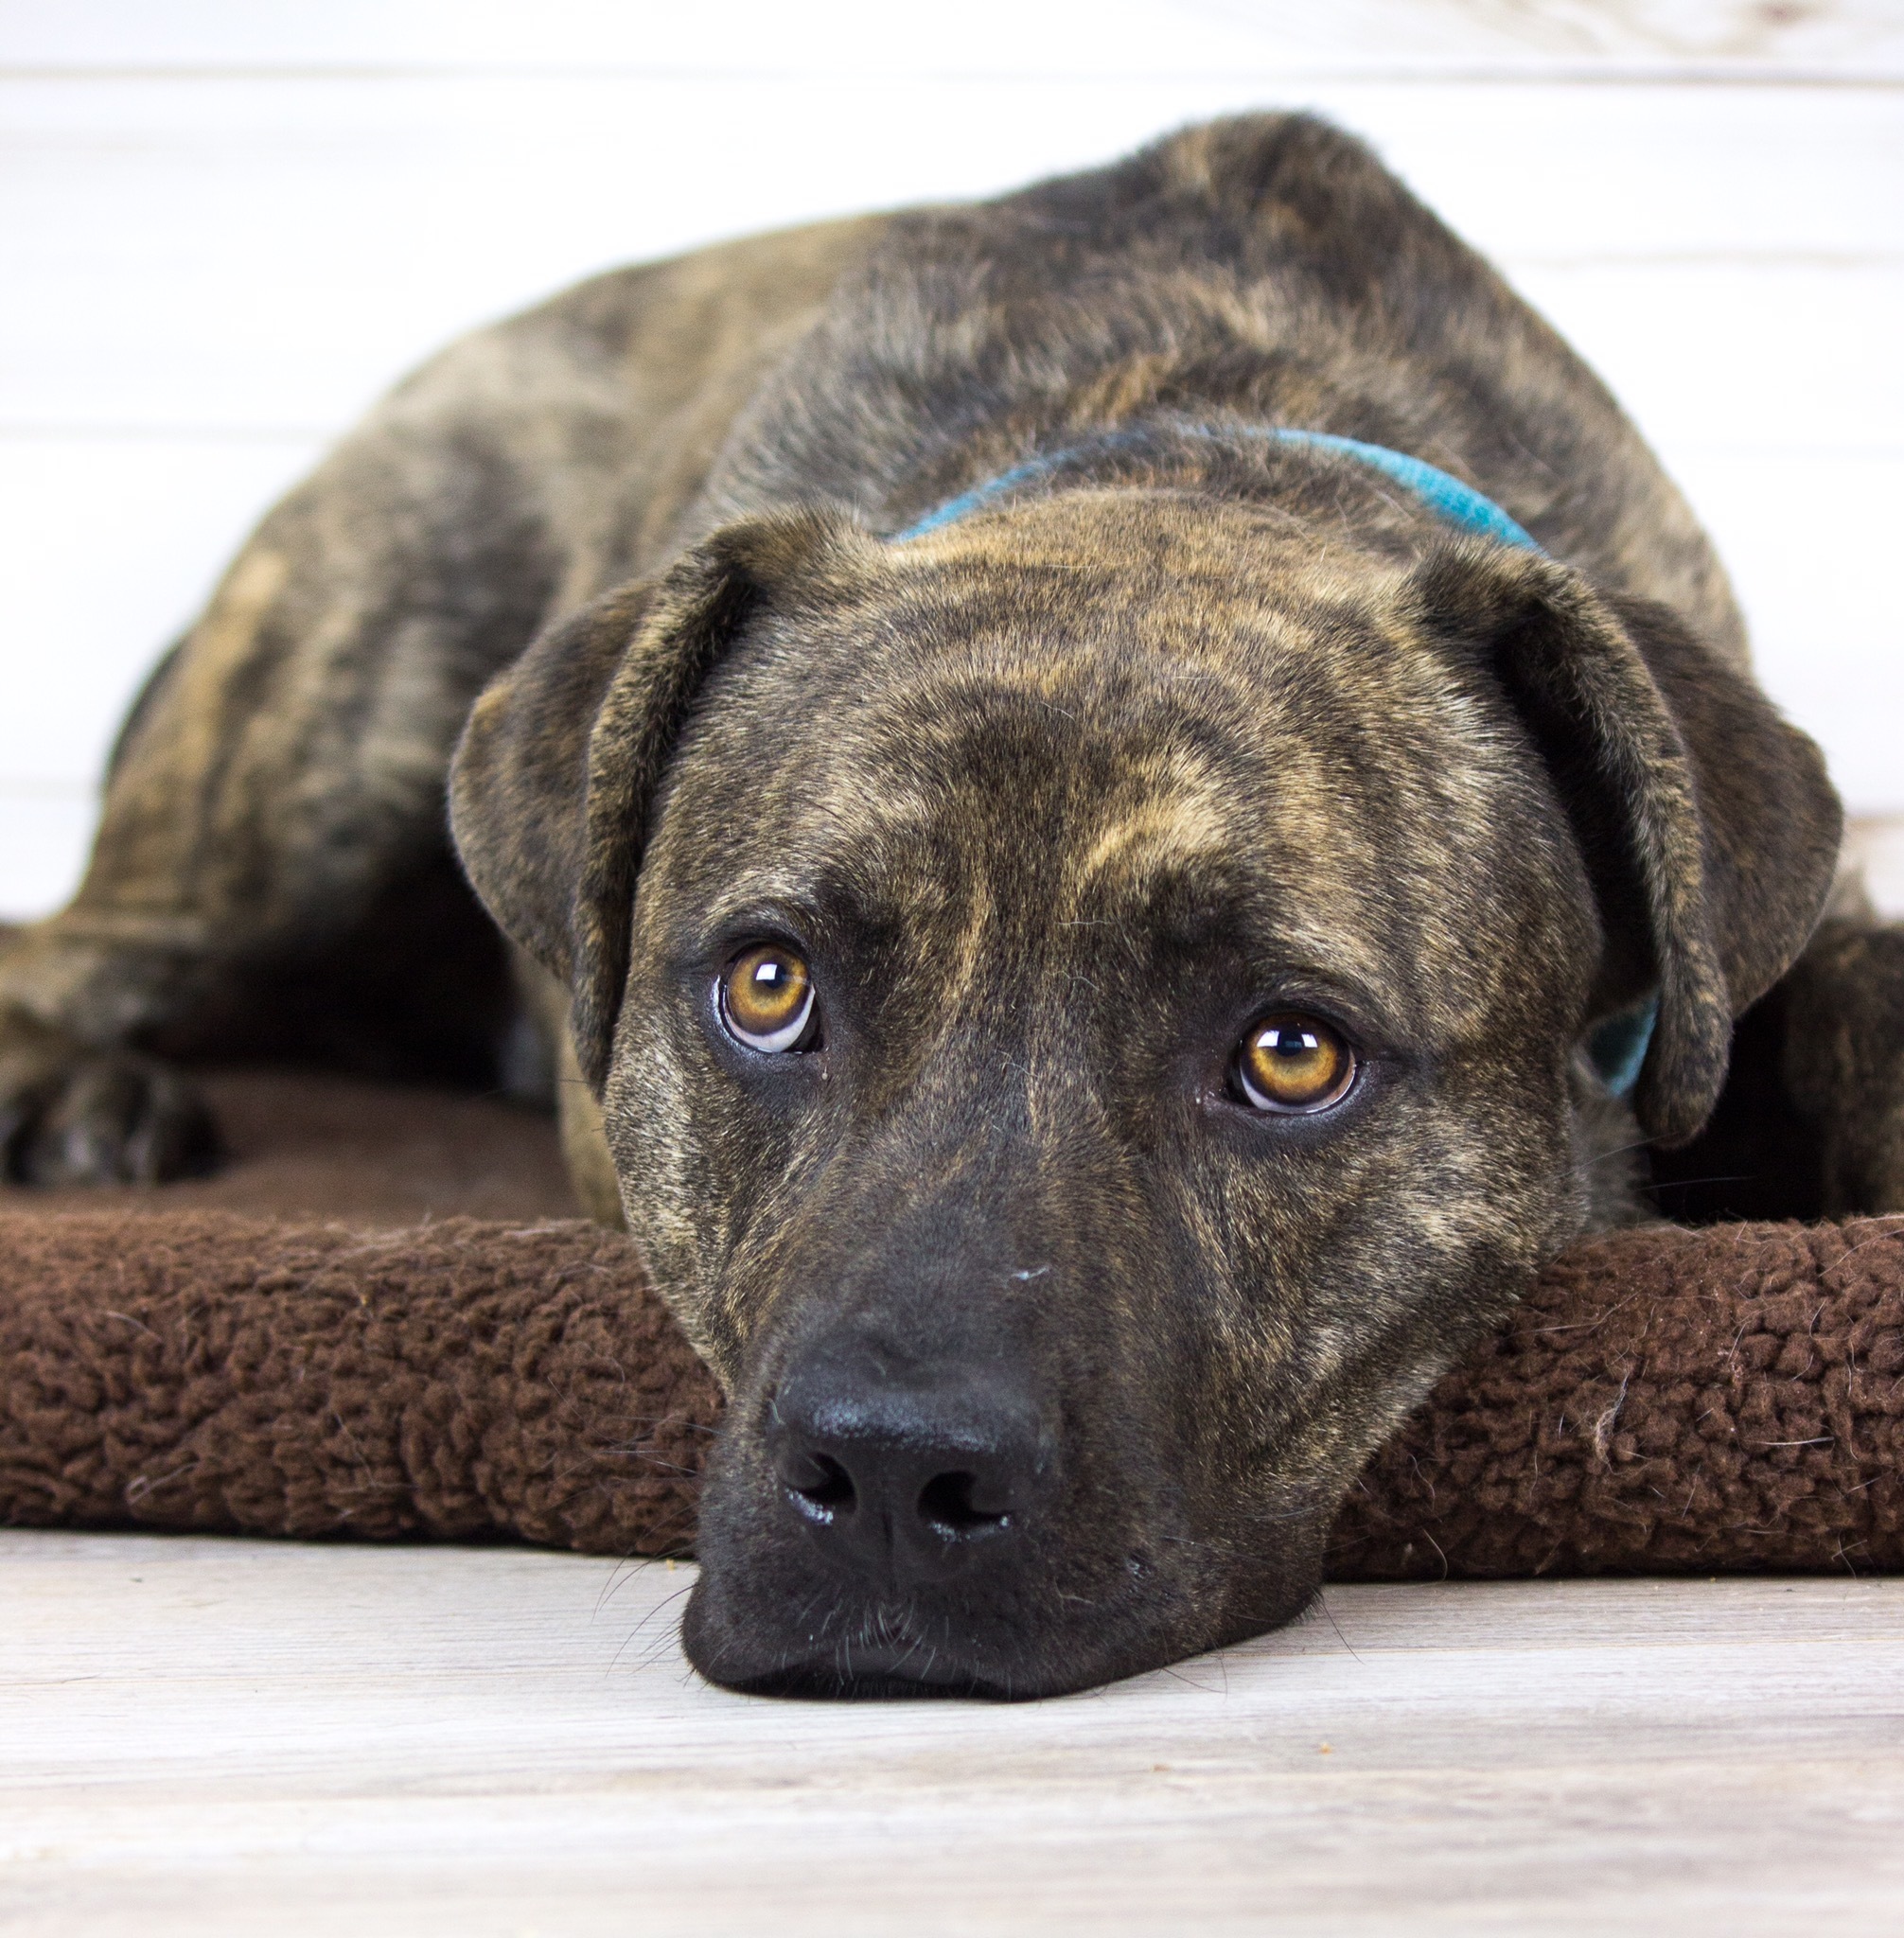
946, 1502
825, 1487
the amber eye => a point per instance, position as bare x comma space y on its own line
767, 999
1290, 1062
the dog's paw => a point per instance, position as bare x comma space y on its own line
74, 1116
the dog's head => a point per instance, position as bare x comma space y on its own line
1086, 1006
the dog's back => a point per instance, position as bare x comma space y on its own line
1266, 267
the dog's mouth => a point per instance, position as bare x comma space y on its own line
872, 1669
741, 1642
736, 1640
774, 1614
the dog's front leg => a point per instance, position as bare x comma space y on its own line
279, 782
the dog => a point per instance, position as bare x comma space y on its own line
1114, 811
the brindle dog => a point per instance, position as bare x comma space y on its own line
1086, 997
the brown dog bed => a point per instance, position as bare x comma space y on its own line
382, 1319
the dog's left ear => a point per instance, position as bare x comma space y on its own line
552, 785
1706, 823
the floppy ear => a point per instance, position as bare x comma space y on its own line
550, 787
1708, 828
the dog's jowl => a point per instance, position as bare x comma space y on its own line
1123, 806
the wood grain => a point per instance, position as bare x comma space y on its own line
208, 1736
1745, 37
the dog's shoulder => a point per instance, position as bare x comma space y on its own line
1257, 192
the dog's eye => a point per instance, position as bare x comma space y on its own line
767, 999
1290, 1062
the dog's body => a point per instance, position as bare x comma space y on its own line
1051, 1339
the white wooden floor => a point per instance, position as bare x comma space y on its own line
216, 1737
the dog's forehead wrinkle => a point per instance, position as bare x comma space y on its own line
1103, 538
1167, 834
897, 751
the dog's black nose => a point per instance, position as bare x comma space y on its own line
906, 1476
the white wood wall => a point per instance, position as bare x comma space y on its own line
226, 225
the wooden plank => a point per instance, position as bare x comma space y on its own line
1758, 358
113, 545
1803, 535
192, 254
45, 835
1877, 844
1850, 37
209, 1736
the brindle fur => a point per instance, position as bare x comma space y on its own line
1056, 798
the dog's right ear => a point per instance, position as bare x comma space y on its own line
550, 787
1705, 822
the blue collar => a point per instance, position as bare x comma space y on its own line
1618, 1047
1460, 505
